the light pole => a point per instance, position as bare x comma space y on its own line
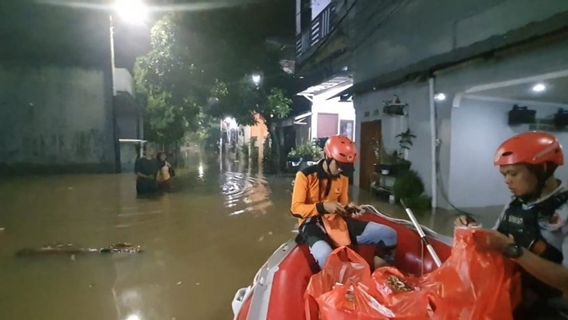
133, 12
256, 79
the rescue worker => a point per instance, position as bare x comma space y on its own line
320, 201
532, 229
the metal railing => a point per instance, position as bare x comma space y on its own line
319, 29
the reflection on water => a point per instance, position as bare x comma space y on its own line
200, 243
245, 193
196, 249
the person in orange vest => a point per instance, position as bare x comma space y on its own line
320, 201
532, 229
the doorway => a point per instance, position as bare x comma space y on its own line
370, 134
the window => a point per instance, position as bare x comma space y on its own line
346, 128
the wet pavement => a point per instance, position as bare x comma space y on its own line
201, 243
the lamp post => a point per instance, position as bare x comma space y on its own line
256, 79
132, 12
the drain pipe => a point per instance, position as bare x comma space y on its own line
434, 138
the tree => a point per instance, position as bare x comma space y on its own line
167, 78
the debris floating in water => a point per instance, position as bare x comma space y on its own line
72, 251
2, 228
179, 283
269, 233
197, 283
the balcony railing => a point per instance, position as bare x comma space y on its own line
319, 29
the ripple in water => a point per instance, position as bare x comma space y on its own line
245, 193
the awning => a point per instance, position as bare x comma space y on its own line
300, 118
327, 85
344, 95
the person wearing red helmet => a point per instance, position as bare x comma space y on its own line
532, 229
320, 201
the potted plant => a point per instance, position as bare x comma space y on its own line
409, 187
391, 163
303, 153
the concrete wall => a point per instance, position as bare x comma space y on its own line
479, 126
369, 108
457, 125
55, 116
390, 35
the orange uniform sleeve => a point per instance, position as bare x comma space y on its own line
300, 205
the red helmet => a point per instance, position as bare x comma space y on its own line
535, 147
340, 149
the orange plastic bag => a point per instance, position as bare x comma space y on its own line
352, 302
470, 285
344, 266
402, 294
473, 284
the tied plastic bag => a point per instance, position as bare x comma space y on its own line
344, 266
473, 284
352, 302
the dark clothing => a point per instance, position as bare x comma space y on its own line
313, 231
146, 167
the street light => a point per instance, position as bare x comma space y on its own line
131, 11
256, 79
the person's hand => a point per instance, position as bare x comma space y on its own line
333, 207
465, 221
354, 210
492, 240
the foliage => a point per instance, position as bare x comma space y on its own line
307, 151
405, 140
397, 156
409, 187
166, 77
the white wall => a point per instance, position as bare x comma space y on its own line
455, 124
123, 81
318, 6
321, 104
418, 120
479, 126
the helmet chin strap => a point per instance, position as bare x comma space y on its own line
328, 173
542, 172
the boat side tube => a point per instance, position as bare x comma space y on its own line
261, 288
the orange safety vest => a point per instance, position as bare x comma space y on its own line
310, 189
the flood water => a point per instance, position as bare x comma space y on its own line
201, 243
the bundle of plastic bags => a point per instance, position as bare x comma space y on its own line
471, 284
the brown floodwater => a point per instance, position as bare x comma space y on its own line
201, 243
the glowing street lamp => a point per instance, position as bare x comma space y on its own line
256, 79
131, 11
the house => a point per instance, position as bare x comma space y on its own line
321, 61
460, 68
